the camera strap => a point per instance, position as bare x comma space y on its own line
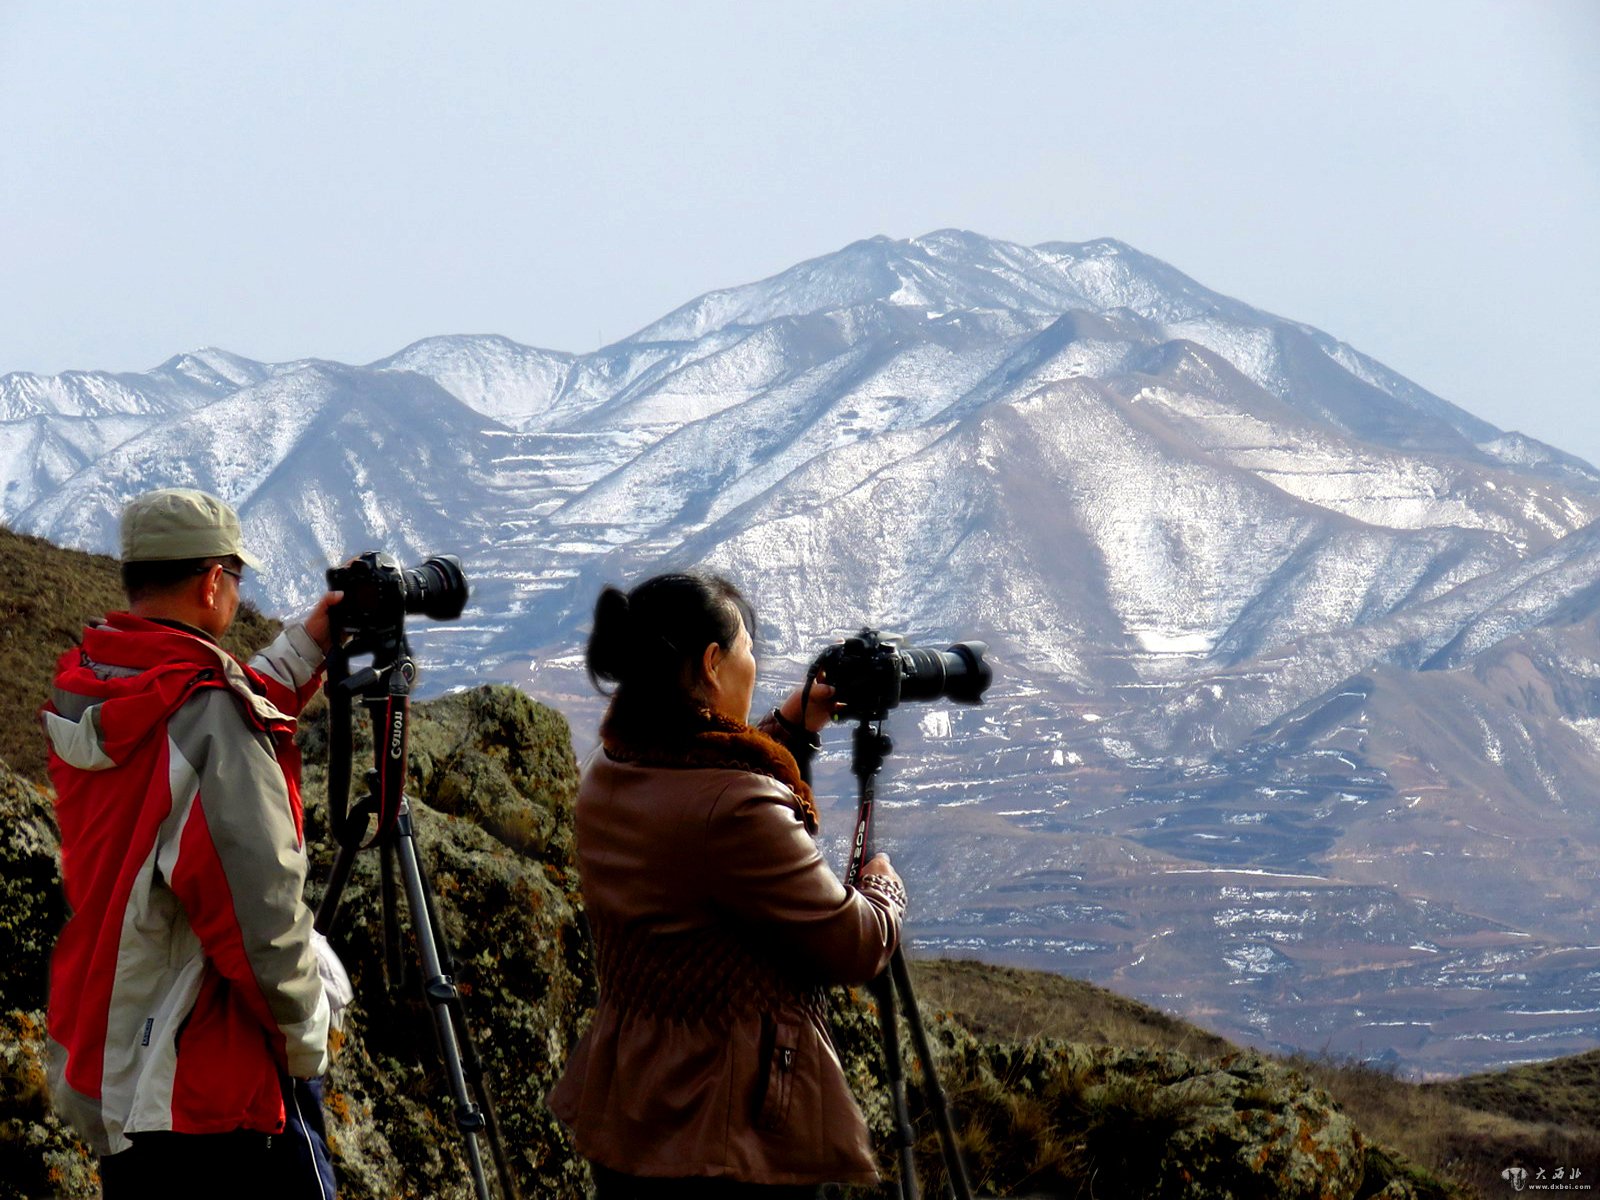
860, 842
395, 730
339, 744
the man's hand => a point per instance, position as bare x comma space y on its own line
317, 623
335, 980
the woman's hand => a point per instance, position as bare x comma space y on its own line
818, 713
880, 879
878, 864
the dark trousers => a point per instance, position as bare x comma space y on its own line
292, 1165
613, 1185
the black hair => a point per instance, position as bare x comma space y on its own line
141, 580
648, 642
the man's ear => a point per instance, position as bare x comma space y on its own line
210, 584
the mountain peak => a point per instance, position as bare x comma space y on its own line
213, 369
955, 270
504, 380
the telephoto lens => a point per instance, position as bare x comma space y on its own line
437, 588
870, 674
959, 673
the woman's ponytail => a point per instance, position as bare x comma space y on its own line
608, 654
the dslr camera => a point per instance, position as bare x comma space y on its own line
379, 593
871, 673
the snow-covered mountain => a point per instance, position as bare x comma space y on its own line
1250, 594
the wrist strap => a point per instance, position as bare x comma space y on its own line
797, 733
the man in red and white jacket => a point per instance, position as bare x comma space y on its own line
188, 1018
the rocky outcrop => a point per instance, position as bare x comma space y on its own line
38, 1155
492, 781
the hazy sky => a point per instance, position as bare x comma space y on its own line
1421, 179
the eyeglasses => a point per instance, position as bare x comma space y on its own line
205, 568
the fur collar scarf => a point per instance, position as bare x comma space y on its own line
702, 738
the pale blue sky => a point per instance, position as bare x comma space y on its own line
289, 179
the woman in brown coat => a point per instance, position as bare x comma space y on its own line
708, 1070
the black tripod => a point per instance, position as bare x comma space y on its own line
386, 691
868, 749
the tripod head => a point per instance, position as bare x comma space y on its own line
871, 674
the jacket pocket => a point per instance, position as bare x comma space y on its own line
782, 1044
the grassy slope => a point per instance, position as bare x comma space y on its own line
1468, 1130
1554, 1108
1563, 1092
46, 596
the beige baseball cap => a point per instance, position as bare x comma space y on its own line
176, 523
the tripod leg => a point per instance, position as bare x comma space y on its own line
491, 1116
905, 1136
441, 993
471, 1060
955, 1167
394, 964
328, 910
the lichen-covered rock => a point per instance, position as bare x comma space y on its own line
38, 1155
31, 907
492, 783
495, 757
1252, 1129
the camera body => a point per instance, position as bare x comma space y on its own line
871, 674
379, 592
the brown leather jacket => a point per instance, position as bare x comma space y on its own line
716, 926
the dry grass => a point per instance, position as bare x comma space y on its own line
1010, 1005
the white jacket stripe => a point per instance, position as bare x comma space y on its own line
78, 742
160, 965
